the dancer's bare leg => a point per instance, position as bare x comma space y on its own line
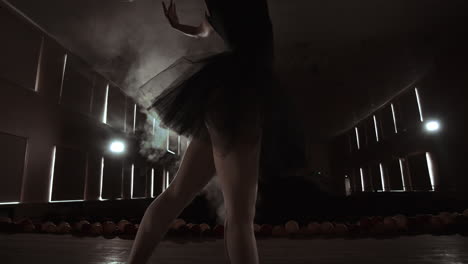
237, 170
195, 171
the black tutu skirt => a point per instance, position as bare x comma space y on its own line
231, 89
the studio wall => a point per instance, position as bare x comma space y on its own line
57, 119
412, 157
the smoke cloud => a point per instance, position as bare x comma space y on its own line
214, 196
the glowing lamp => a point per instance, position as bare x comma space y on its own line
117, 146
432, 126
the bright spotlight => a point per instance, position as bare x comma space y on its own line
117, 146
432, 126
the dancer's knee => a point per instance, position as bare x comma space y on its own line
174, 195
240, 217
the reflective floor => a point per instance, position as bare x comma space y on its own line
52, 249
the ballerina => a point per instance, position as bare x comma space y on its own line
221, 106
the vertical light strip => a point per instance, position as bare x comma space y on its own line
178, 145
131, 181
154, 126
382, 177
347, 186
52, 168
430, 167
362, 179
419, 104
376, 129
106, 98
152, 183
39, 62
164, 180
402, 172
86, 176
357, 137
63, 76
23, 176
134, 118
167, 141
394, 118
101, 179
167, 179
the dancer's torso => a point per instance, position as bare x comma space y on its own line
245, 27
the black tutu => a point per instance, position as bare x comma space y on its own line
219, 86
233, 88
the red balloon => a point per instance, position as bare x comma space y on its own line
313, 228
96, 229
326, 228
341, 229
266, 230
291, 227
279, 231
195, 230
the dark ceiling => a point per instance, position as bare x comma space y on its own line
336, 58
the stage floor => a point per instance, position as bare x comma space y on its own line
55, 249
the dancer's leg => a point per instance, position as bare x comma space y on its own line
195, 171
237, 168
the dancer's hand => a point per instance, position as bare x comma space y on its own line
201, 31
171, 13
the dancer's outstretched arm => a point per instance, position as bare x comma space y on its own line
201, 31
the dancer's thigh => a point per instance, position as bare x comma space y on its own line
195, 171
237, 168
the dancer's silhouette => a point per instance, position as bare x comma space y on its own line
221, 105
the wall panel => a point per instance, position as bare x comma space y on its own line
419, 172
394, 175
77, 90
363, 135
357, 182
140, 179
158, 180
370, 130
376, 176
387, 125
366, 176
93, 176
51, 71
69, 175
19, 50
127, 179
140, 123
12, 158
116, 108
409, 111
112, 178
129, 115
98, 98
